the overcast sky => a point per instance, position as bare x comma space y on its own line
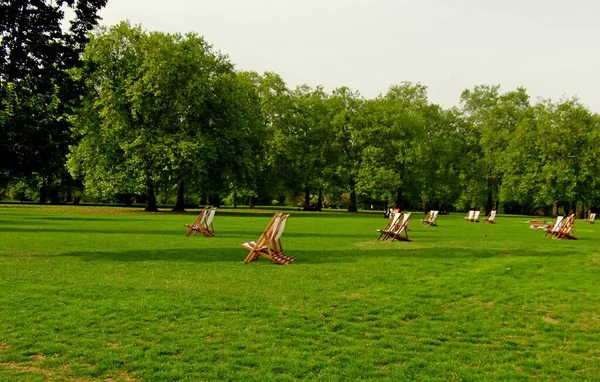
549, 47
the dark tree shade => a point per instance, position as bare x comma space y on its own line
36, 91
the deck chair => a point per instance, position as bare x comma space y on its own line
194, 228
591, 218
207, 228
567, 229
431, 218
400, 229
470, 215
475, 217
491, 217
433, 221
427, 218
554, 227
269, 244
383, 233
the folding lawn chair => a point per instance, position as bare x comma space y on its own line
400, 229
207, 228
475, 217
491, 217
383, 233
591, 218
470, 215
567, 229
194, 228
427, 218
431, 219
269, 244
555, 227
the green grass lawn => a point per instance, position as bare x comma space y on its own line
92, 293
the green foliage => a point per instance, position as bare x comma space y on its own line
162, 109
36, 90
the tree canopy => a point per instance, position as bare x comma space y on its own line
168, 118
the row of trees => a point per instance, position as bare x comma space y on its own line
165, 114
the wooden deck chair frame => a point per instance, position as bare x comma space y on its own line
591, 218
474, 218
390, 223
491, 218
554, 227
401, 228
194, 228
428, 218
433, 220
268, 244
567, 229
386, 234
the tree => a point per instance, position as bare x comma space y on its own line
493, 118
36, 90
345, 107
149, 119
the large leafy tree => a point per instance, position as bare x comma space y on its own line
307, 136
36, 91
344, 108
150, 119
492, 118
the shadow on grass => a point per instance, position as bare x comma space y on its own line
240, 234
237, 255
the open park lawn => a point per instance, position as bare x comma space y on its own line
98, 293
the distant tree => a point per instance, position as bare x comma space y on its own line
345, 107
36, 91
493, 118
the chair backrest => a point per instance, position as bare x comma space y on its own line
402, 226
281, 227
557, 224
434, 215
429, 216
275, 226
211, 215
204, 217
492, 215
592, 217
471, 214
476, 215
395, 220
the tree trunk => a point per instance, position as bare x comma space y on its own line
69, 193
580, 211
398, 198
43, 193
215, 200
150, 196
54, 195
179, 202
424, 201
490, 202
234, 199
352, 207
554, 209
320, 200
250, 201
306, 197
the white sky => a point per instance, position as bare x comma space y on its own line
550, 47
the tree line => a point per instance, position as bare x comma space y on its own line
167, 118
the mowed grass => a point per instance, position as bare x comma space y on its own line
92, 293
